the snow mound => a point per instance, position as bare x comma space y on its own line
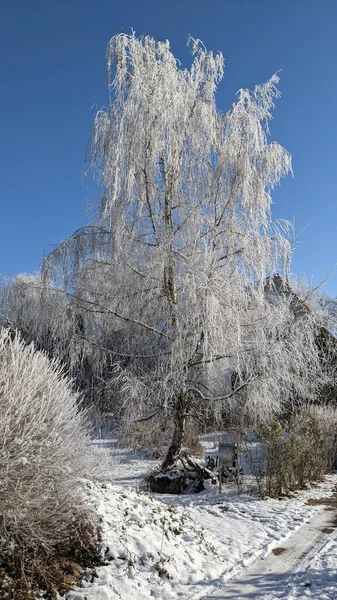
148, 546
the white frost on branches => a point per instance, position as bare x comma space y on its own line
44, 447
173, 267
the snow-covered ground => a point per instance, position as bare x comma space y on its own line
272, 577
316, 575
166, 547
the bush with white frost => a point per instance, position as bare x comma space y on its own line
287, 457
44, 448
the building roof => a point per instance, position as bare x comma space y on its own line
276, 284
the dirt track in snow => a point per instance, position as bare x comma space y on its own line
269, 574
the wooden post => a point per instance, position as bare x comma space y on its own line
238, 468
220, 475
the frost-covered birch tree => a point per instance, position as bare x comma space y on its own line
182, 240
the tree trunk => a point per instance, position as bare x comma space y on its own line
178, 434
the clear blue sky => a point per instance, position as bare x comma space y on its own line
52, 68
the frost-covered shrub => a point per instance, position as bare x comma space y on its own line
268, 455
44, 448
313, 438
287, 457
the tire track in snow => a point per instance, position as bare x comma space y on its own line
267, 575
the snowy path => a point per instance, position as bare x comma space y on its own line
269, 577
